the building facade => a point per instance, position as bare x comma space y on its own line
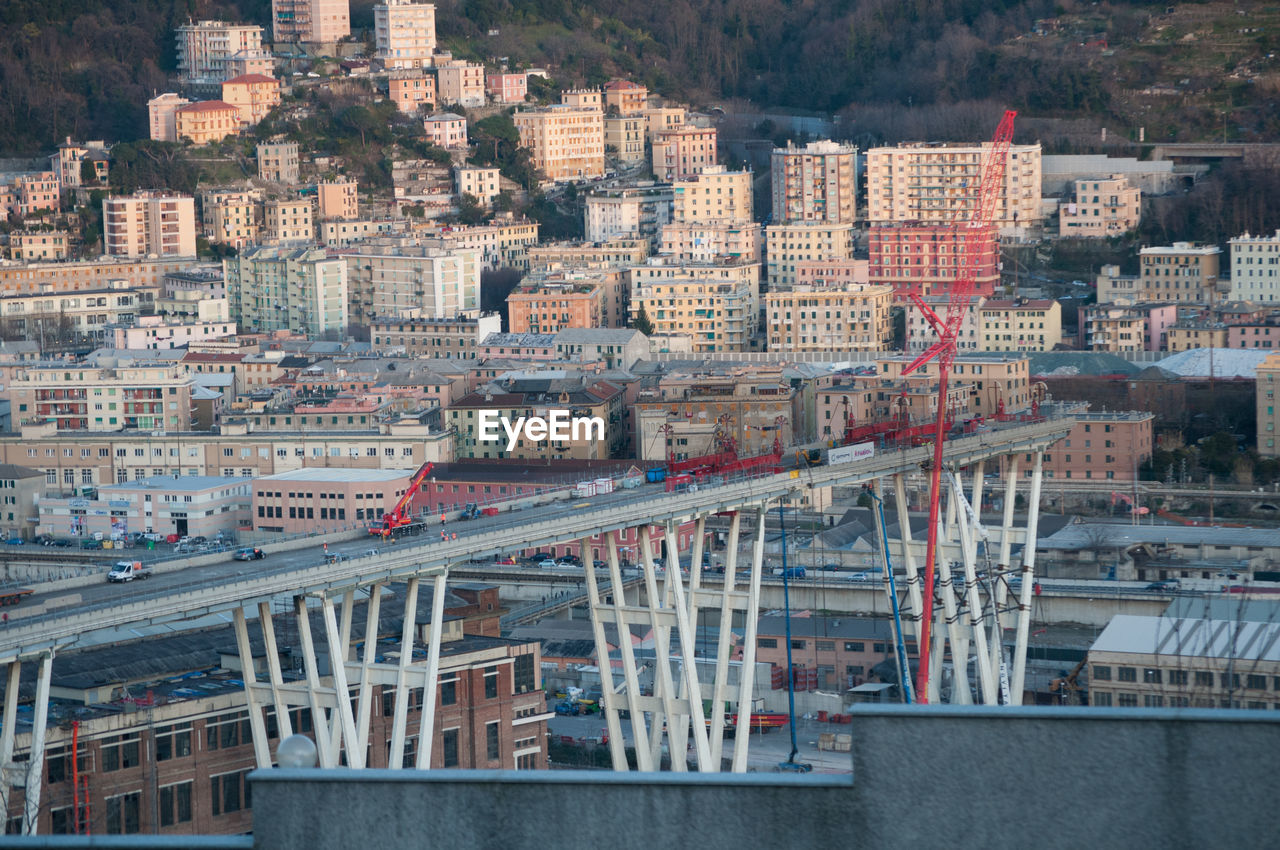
254, 95
446, 129
1255, 268
712, 196
506, 87
808, 318
393, 277
565, 142
149, 223
922, 259
1103, 446
286, 220
637, 213
789, 245
295, 289
278, 162
310, 21
1101, 208
126, 394
162, 116
682, 152
446, 338
460, 83
816, 182
412, 93
1181, 273
337, 199
1020, 324
205, 122
404, 34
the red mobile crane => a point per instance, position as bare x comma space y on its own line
979, 226
400, 515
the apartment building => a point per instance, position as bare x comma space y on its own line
938, 184
624, 137
310, 21
709, 243
547, 307
504, 241
990, 382
149, 223
425, 182
754, 407
278, 162
205, 50
1101, 208
921, 334
162, 116
726, 270
29, 193
297, 289
714, 195
337, 199
453, 338
115, 395
1255, 268
630, 213
571, 255
1268, 382
809, 318
412, 93
814, 183
618, 348
788, 245
1118, 328
399, 276
565, 142
156, 333
205, 122
404, 34
681, 152
623, 97
507, 87
84, 312
232, 218
35, 245
1019, 324
58, 278
1182, 273
1113, 287
483, 184
67, 164
460, 83
832, 272
1192, 334
1103, 446
286, 220
718, 316
583, 397
926, 260
164, 504
254, 95
339, 234
446, 129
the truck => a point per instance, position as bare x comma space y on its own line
13, 595
128, 571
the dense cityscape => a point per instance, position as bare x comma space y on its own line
384, 404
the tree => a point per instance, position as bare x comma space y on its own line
88, 174
642, 322
470, 210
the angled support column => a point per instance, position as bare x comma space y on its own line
372, 609
35, 768
283, 723
746, 678
395, 759
427, 722
1028, 579
1002, 581
7, 732
915, 607
692, 688
608, 698
639, 732
663, 684
344, 725
328, 757
258, 728
959, 646
724, 646
968, 548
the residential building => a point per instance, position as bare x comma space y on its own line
193, 505
68, 164
565, 142
149, 223
568, 255
425, 182
254, 95
391, 276
116, 394
623, 97
522, 347
1103, 446
814, 183
631, 213
1268, 382
617, 348
1255, 268
624, 137
298, 289
989, 383
205, 48
719, 316
32, 245
507, 87
714, 195
20, 505
753, 407
1118, 328
460, 83
162, 111
310, 21
709, 243
206, 121
1101, 208
287, 220
157, 333
404, 34
74, 276
1020, 324
1192, 334
659, 118
504, 241
937, 184
278, 162
516, 396
923, 260
788, 245
1113, 287
337, 199
338, 234
412, 93
446, 129
550, 307
481, 183
809, 318
29, 193
1265, 334
682, 152
454, 338
232, 218
921, 334
80, 314
1182, 273
832, 272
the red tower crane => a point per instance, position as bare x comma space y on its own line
978, 227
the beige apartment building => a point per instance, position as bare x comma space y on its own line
614, 252
404, 34
460, 83
1113, 287
278, 162
938, 184
1268, 383
788, 245
718, 316
752, 406
310, 21
1102, 446
682, 152
206, 50
1101, 208
709, 243
298, 289
400, 276
714, 195
412, 93
126, 395
206, 121
659, 118
584, 398
623, 97
1183, 272
36, 245
551, 306
814, 183
565, 142
232, 218
1019, 324
446, 129
1189, 335
443, 338
162, 115
808, 318
337, 199
254, 95
989, 380
287, 221
483, 184
57, 278
504, 241
1255, 268
149, 223
624, 137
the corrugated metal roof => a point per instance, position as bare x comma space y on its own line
1195, 638
1224, 362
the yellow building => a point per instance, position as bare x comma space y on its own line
718, 316
1020, 325
232, 218
710, 243
814, 318
483, 184
624, 97
288, 221
1190, 335
624, 137
1181, 272
206, 122
788, 245
1101, 208
114, 395
147, 223
659, 118
38, 244
565, 142
1268, 382
253, 94
715, 194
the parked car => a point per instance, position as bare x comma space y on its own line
571, 560
15, 541
198, 539
61, 544
42, 540
1164, 584
548, 564
91, 544
249, 553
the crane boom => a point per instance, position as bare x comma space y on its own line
397, 516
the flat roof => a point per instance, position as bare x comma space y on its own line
327, 474
1190, 637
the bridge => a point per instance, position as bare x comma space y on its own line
672, 603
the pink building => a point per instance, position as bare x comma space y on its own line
682, 152
507, 88
922, 258
446, 130
1102, 446
1254, 335
833, 273
25, 194
325, 498
411, 93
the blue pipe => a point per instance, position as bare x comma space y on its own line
904, 666
786, 604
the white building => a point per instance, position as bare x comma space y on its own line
632, 212
210, 52
162, 111
287, 288
404, 33
147, 223
1255, 268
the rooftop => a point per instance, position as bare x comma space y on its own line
1191, 637
330, 475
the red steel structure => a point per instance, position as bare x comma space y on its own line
944, 350
402, 514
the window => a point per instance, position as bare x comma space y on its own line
1231, 680
175, 804
173, 741
1127, 674
491, 683
449, 691
229, 792
123, 813
826, 646
1177, 677
767, 643
1256, 682
1151, 676
1204, 679
58, 763
854, 646
522, 674
492, 737
1103, 698
450, 747
1101, 673
797, 644
121, 751
227, 730
1127, 700
1153, 701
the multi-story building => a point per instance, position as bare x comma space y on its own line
68, 164
412, 93
718, 316
515, 397
445, 129
29, 193
389, 277
425, 182
1268, 382
567, 255
1265, 334
1113, 287
302, 500
286, 220
1182, 272
338, 234
82, 313
460, 83
829, 318
754, 407
926, 259
832, 272
1103, 446
630, 213
114, 395
504, 241
1101, 208
232, 217
841, 651
549, 307
162, 111
659, 118
1192, 334
938, 184
506, 87
714, 195
788, 245
206, 121
253, 94
1118, 328
310, 21
31, 245
623, 97
921, 334
617, 348
624, 137
20, 505
709, 243
206, 47
990, 382
565, 142
814, 183
337, 199
682, 152
1255, 268
298, 289
157, 333
404, 34
483, 184
164, 504
1020, 324
149, 223
76, 276
278, 162
447, 338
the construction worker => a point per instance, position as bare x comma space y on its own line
442, 520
